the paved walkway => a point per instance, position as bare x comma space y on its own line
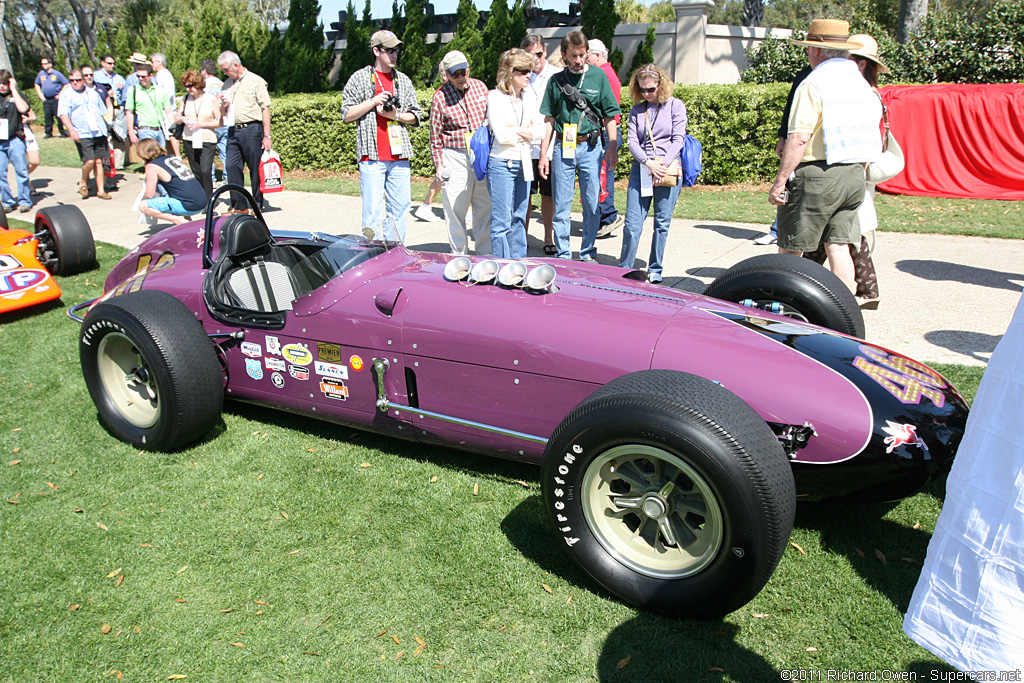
944, 299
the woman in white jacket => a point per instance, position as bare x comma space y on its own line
514, 124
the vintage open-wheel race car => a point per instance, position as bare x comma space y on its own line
62, 244
675, 432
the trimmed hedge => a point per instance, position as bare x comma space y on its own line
736, 124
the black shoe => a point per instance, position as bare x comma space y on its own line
10, 209
48, 135
24, 209
65, 135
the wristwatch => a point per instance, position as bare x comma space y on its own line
268, 137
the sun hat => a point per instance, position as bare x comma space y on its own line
384, 39
454, 61
869, 50
139, 58
829, 33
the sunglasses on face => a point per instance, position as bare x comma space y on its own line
86, 75
461, 73
389, 50
191, 85
538, 54
523, 72
647, 91
75, 80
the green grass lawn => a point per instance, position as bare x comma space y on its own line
745, 204
280, 548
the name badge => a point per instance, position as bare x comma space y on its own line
569, 140
229, 117
468, 136
395, 137
527, 160
5, 134
197, 138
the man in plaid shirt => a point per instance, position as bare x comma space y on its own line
383, 101
458, 108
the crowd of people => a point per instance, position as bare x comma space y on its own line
540, 131
106, 115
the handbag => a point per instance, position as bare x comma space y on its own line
178, 131
891, 163
671, 177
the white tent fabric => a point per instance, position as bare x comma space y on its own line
968, 606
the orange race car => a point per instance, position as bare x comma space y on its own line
62, 245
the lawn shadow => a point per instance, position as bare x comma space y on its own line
731, 231
971, 344
495, 469
29, 311
888, 555
648, 647
943, 271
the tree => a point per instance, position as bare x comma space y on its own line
644, 52
5, 59
753, 12
501, 32
397, 18
598, 19
356, 54
468, 38
415, 57
304, 61
912, 13
631, 11
661, 12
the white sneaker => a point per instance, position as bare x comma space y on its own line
425, 213
608, 229
767, 238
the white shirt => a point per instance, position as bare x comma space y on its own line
165, 79
505, 114
535, 92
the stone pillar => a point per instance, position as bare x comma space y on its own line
691, 32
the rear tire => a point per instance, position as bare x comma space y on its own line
805, 289
68, 246
151, 370
671, 493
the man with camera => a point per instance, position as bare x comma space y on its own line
383, 102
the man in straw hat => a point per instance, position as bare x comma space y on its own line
833, 131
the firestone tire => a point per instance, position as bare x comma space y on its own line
804, 288
68, 246
151, 370
671, 493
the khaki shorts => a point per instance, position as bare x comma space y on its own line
822, 206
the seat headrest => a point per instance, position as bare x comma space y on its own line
243, 235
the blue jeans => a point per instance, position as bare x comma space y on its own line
13, 152
636, 213
509, 192
222, 152
391, 180
147, 133
563, 181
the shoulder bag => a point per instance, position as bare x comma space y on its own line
891, 163
671, 177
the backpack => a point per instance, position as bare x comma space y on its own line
480, 150
690, 160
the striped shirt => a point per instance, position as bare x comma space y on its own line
360, 87
453, 113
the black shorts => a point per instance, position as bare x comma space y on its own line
92, 148
540, 183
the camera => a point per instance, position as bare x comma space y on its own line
390, 103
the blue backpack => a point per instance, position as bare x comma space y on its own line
480, 150
690, 160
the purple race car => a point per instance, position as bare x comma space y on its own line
675, 431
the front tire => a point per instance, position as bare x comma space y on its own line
805, 289
151, 370
671, 493
67, 246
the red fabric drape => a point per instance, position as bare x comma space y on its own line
958, 140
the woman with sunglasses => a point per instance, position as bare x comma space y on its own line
201, 114
515, 123
657, 127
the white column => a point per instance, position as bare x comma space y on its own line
691, 30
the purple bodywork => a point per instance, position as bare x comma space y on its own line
521, 361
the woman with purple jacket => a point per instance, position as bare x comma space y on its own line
657, 126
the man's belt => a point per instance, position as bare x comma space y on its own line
246, 124
149, 127
592, 135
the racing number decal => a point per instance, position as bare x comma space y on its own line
560, 493
905, 379
142, 269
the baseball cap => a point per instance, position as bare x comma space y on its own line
596, 45
384, 39
453, 61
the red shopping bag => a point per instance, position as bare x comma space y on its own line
111, 170
271, 172
604, 179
